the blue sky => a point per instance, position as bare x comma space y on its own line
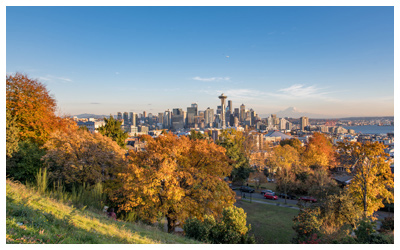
336, 61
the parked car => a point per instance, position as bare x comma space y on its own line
308, 198
246, 189
266, 191
288, 196
271, 196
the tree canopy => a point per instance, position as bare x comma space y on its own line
33, 108
233, 142
176, 177
372, 178
112, 129
12, 134
319, 152
77, 156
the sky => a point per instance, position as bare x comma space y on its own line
331, 61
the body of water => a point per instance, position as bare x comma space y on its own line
371, 129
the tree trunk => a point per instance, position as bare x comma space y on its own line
171, 224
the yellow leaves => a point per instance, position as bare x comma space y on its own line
178, 177
372, 176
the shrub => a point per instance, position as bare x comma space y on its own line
26, 162
388, 224
307, 225
230, 229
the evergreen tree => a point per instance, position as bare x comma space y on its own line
112, 129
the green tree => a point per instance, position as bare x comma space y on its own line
233, 142
230, 228
112, 129
294, 142
196, 135
26, 162
12, 135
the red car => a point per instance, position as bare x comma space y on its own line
271, 196
308, 198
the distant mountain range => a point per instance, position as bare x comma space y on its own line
293, 112
91, 116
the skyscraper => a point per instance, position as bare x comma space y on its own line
119, 116
209, 117
177, 121
242, 113
191, 113
230, 107
167, 119
303, 122
126, 118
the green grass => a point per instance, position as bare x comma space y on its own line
35, 218
269, 224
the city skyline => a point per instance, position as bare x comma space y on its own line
332, 61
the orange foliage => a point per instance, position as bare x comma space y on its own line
319, 152
33, 108
175, 177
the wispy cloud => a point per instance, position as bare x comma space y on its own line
52, 78
211, 79
300, 91
95, 103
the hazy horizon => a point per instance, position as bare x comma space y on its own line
332, 61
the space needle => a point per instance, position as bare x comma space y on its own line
223, 98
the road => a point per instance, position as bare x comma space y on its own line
260, 196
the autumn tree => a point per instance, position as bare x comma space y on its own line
319, 152
282, 160
112, 129
176, 177
233, 142
372, 177
258, 178
12, 137
77, 156
294, 142
33, 108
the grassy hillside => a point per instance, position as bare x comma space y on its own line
35, 218
269, 224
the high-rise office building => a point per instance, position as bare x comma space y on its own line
303, 122
167, 119
144, 114
230, 107
126, 118
119, 116
161, 118
134, 119
209, 117
242, 115
191, 114
236, 113
177, 121
131, 118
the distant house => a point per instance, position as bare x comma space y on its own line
276, 136
342, 179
